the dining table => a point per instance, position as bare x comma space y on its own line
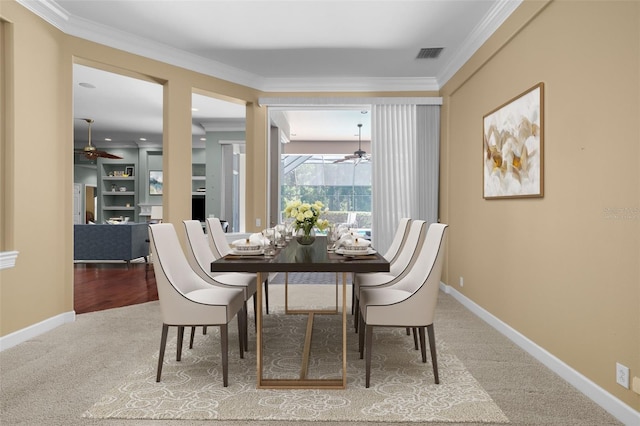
294, 257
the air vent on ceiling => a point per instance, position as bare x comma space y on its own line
429, 52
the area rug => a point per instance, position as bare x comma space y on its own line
402, 387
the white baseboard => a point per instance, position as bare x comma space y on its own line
604, 399
8, 259
17, 337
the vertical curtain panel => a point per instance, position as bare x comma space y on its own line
405, 157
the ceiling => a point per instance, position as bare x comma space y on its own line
301, 45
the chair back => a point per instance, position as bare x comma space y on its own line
402, 232
423, 280
412, 244
217, 240
174, 276
199, 253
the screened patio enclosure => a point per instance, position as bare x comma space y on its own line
344, 186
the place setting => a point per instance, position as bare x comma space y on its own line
345, 242
264, 244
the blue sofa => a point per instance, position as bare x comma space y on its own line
98, 242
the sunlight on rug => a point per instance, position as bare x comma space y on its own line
402, 387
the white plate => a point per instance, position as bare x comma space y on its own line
247, 252
355, 252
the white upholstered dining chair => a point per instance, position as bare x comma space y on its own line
188, 300
408, 303
220, 248
401, 265
200, 256
399, 238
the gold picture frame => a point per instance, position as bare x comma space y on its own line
513, 147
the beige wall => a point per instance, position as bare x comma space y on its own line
557, 269
38, 217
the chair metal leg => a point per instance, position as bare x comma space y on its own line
179, 343
255, 313
163, 344
353, 293
422, 344
356, 314
368, 330
432, 346
193, 334
224, 345
408, 331
415, 338
361, 337
242, 329
243, 319
204, 329
266, 295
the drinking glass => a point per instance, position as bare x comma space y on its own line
270, 242
281, 230
288, 231
332, 237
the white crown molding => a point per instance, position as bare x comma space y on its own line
51, 12
57, 16
346, 84
481, 33
224, 125
289, 102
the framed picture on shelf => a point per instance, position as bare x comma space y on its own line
129, 170
155, 182
513, 142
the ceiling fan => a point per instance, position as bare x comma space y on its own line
359, 154
90, 151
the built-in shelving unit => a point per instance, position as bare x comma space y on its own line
118, 195
198, 179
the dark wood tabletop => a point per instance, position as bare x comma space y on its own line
298, 258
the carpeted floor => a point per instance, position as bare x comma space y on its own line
56, 378
402, 387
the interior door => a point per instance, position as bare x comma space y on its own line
78, 204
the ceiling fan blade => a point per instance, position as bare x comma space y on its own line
91, 152
94, 153
105, 154
346, 158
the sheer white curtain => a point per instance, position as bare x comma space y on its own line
405, 156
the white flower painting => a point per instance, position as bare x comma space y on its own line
513, 147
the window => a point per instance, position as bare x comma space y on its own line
343, 186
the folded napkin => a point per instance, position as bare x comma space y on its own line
258, 238
254, 239
352, 240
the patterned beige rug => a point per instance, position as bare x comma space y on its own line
402, 388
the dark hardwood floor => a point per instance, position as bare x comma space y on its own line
99, 286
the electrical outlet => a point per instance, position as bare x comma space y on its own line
461, 282
258, 222
622, 375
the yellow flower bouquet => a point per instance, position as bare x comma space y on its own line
305, 217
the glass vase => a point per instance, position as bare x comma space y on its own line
305, 237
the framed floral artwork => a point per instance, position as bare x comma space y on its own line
155, 182
513, 147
